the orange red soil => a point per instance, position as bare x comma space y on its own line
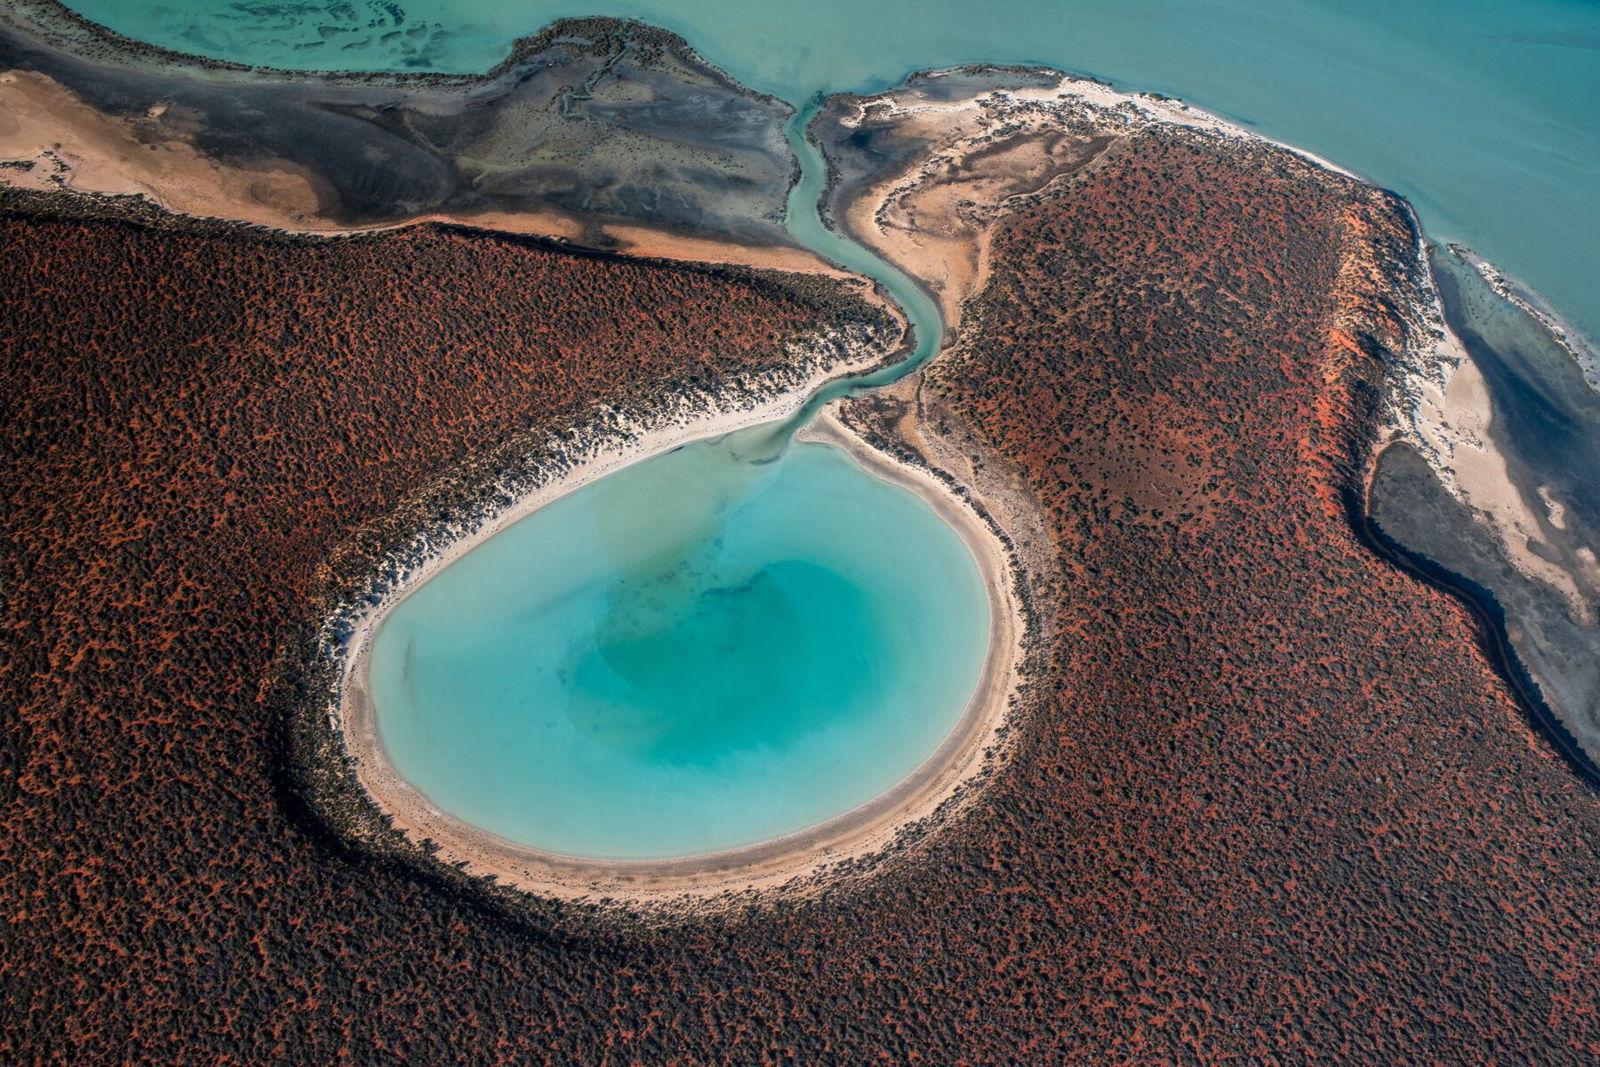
193, 425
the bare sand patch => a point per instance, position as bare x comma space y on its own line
658, 244
71, 145
1481, 478
934, 220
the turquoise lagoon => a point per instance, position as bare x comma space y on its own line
692, 654
1481, 113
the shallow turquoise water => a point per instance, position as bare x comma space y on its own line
691, 654
1481, 113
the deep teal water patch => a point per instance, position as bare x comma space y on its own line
692, 654
1481, 114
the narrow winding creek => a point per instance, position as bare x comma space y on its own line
727, 643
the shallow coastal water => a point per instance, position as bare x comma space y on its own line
692, 654
1481, 114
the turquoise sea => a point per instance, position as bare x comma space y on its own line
1481, 112
689, 655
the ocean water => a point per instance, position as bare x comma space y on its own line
692, 654
1481, 113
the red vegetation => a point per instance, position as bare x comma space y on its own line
1274, 805
1280, 807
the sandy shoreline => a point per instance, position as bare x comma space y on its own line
725, 877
